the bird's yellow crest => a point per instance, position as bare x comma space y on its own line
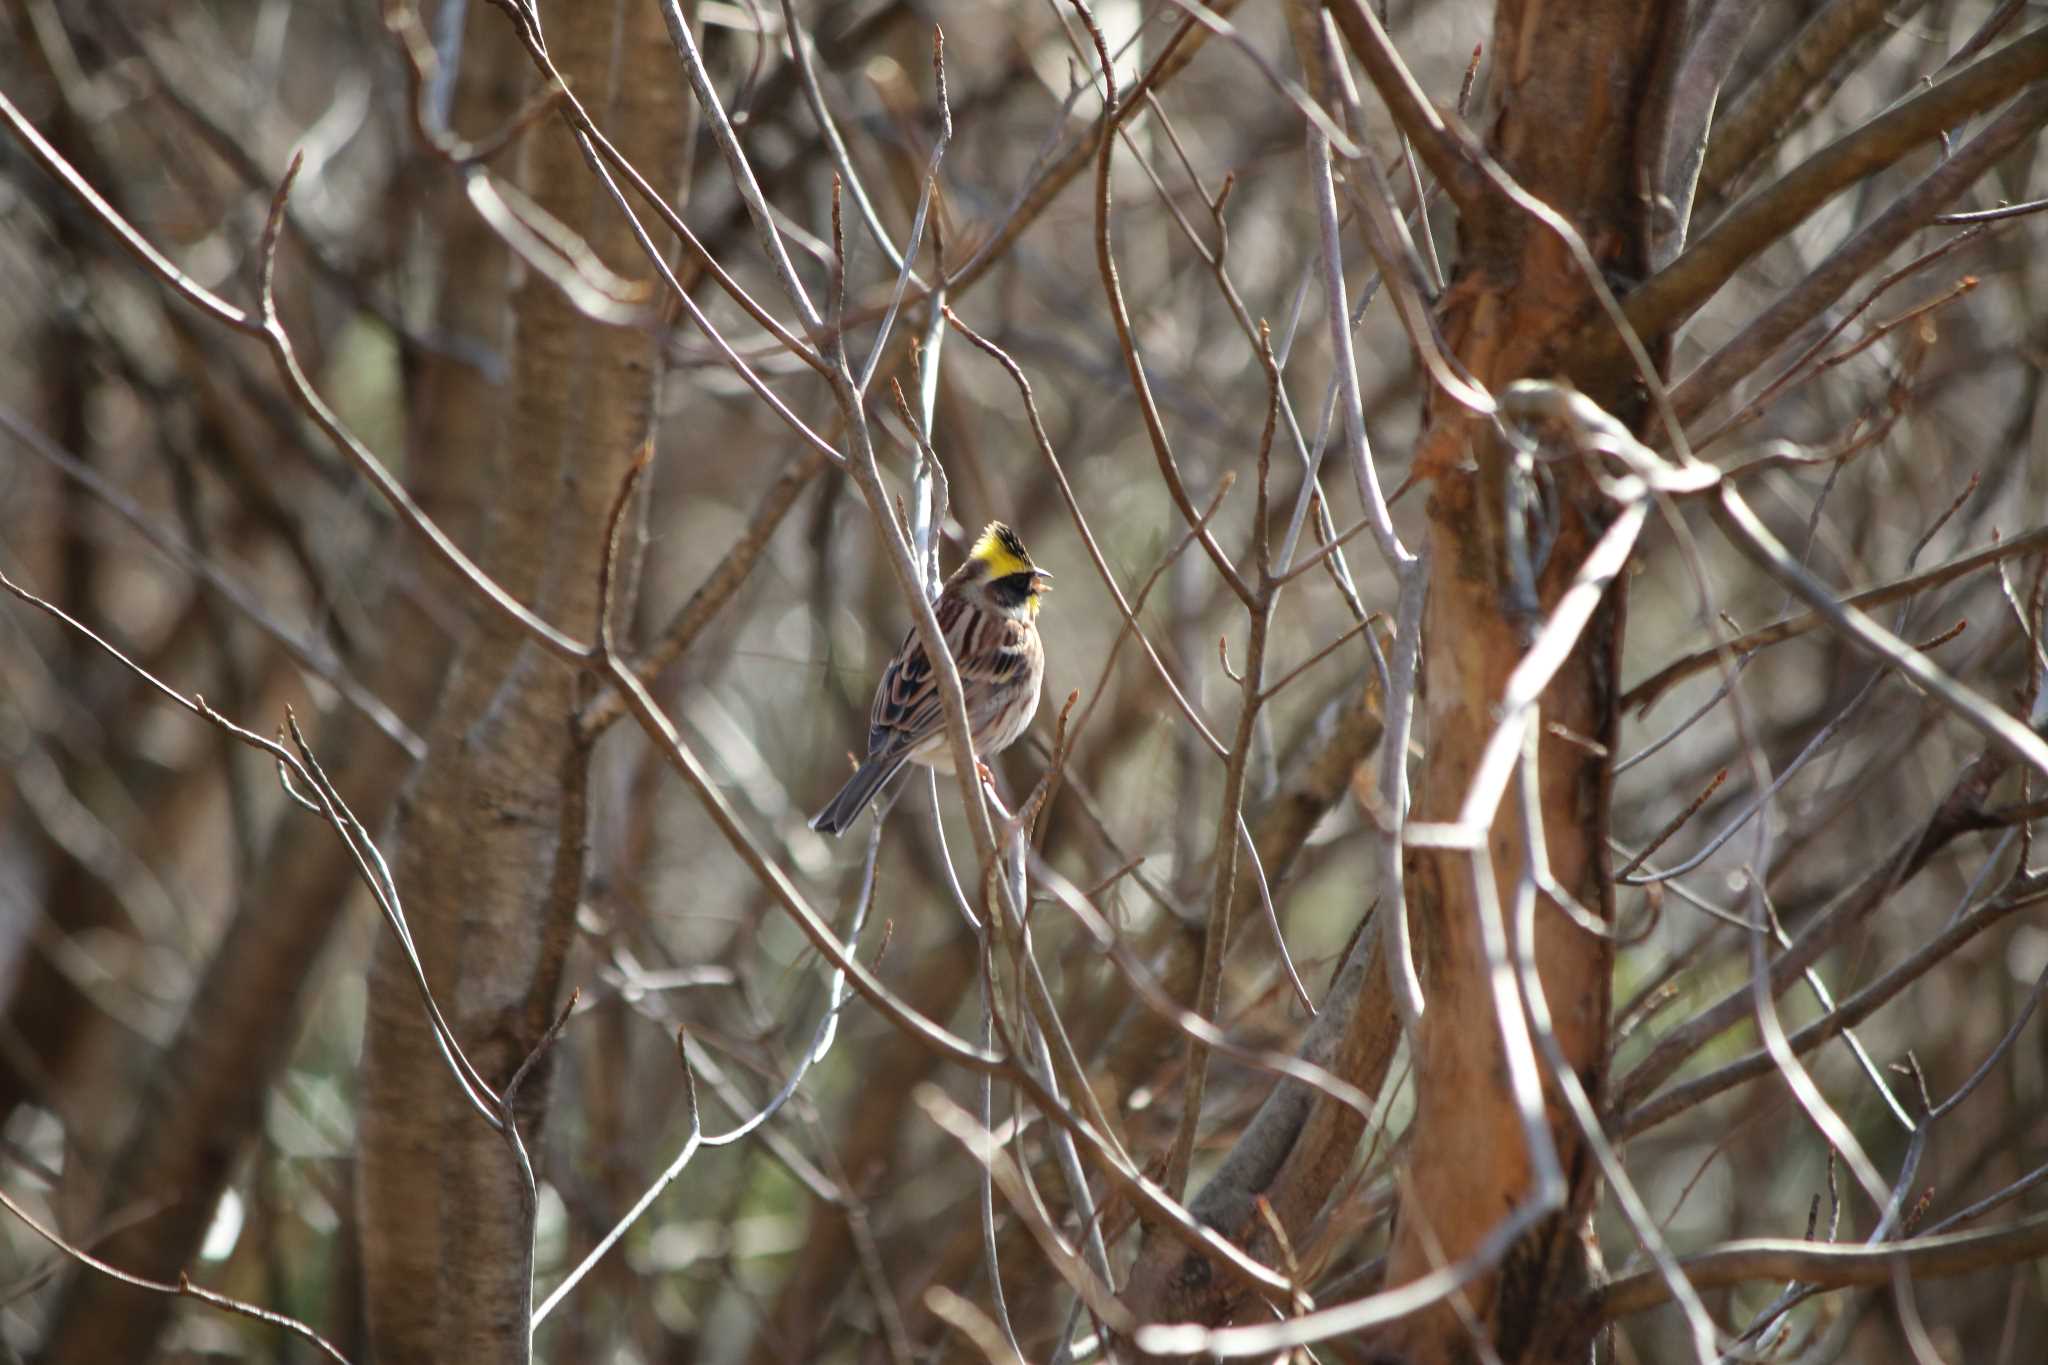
1001, 551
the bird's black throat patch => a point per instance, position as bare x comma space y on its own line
1011, 590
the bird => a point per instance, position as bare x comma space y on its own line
988, 611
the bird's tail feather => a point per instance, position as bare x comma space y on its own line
842, 810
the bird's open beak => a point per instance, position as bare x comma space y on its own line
1041, 581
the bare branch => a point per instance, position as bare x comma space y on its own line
1646, 693
1937, 1257
1676, 291
184, 1288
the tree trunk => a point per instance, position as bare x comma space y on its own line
1572, 85
491, 857
207, 1095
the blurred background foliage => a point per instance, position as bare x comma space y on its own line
157, 483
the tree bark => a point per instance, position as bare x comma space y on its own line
491, 858
1571, 85
207, 1096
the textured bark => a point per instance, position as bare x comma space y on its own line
1571, 82
207, 1099
492, 838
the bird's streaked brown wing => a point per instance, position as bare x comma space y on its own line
907, 709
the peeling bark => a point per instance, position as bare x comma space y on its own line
1571, 86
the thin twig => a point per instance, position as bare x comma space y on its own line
1646, 693
184, 1288
1734, 1263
